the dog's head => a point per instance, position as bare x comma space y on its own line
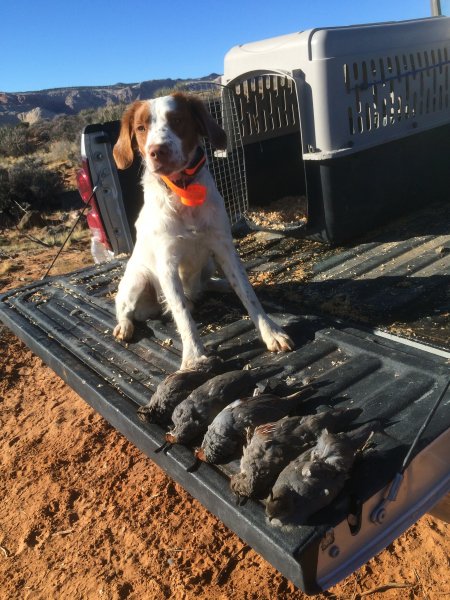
166, 131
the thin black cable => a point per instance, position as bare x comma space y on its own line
86, 206
378, 513
422, 429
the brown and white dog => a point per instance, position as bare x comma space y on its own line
177, 237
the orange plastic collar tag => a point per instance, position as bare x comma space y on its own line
193, 195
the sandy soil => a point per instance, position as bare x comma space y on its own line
84, 515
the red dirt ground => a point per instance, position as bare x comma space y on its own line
84, 515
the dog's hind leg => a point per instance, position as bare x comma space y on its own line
195, 277
147, 305
211, 281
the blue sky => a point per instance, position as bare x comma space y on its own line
49, 43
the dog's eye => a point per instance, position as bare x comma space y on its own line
176, 120
140, 127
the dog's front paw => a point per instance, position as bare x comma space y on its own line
276, 339
123, 331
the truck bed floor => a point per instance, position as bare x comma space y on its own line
68, 321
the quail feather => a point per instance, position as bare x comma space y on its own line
274, 445
314, 479
192, 416
227, 432
175, 388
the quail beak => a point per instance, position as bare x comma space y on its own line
164, 448
194, 466
241, 500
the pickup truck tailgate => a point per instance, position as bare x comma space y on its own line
68, 321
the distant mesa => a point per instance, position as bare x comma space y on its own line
30, 107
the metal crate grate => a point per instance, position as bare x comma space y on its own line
226, 166
390, 89
267, 105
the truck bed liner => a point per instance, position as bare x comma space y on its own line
68, 322
397, 279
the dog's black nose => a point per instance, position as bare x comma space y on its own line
158, 151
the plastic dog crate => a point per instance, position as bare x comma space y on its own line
356, 118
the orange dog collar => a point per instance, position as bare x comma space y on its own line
193, 194
192, 170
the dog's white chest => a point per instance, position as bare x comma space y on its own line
192, 226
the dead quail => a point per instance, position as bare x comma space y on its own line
315, 478
274, 445
192, 416
174, 389
227, 431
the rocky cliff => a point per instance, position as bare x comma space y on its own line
45, 104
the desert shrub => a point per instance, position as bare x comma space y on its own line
111, 112
64, 150
4, 187
166, 91
15, 141
65, 127
102, 114
39, 134
29, 184
58, 136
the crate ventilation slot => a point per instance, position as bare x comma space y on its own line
266, 104
389, 90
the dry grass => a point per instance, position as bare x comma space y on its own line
58, 239
63, 156
13, 241
6, 162
62, 151
8, 266
26, 256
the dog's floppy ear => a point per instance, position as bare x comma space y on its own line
207, 126
123, 150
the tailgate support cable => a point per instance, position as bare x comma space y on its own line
82, 211
379, 512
